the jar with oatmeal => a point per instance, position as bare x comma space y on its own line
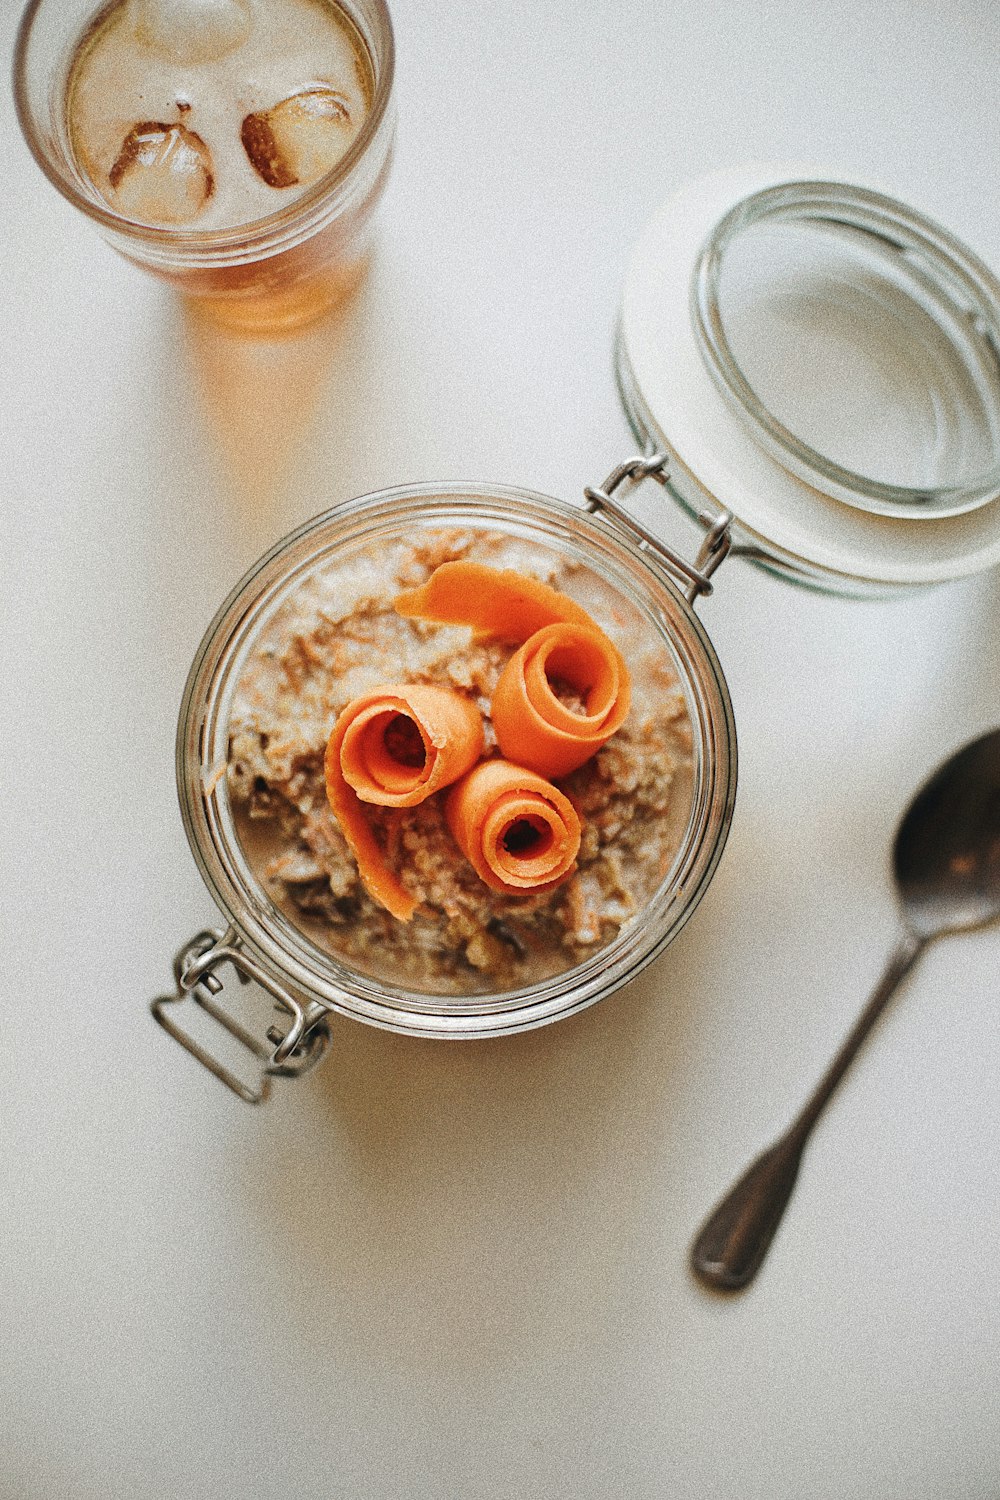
372, 750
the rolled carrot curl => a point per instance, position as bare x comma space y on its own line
534, 725
520, 833
395, 748
564, 655
405, 742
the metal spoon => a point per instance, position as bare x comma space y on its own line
946, 861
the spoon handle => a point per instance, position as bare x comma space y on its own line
734, 1239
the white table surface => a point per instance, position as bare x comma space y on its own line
459, 1270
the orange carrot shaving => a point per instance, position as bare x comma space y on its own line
496, 602
559, 642
533, 726
376, 877
407, 741
395, 748
520, 833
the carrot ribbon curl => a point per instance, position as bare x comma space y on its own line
395, 748
533, 725
559, 645
497, 602
562, 694
520, 834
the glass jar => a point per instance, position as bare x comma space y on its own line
269, 275
825, 493
263, 943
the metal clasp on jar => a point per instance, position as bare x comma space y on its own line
695, 578
288, 1056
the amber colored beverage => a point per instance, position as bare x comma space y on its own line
236, 148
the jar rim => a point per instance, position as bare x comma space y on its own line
284, 949
924, 251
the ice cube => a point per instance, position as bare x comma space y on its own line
163, 174
299, 138
191, 31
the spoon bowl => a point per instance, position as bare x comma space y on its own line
946, 858
946, 862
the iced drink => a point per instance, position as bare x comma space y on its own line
236, 147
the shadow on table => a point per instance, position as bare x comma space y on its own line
259, 395
469, 1198
460, 1203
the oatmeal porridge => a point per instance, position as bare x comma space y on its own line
349, 681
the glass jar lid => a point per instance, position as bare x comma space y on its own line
825, 363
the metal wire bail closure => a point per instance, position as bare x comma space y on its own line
714, 549
290, 1054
